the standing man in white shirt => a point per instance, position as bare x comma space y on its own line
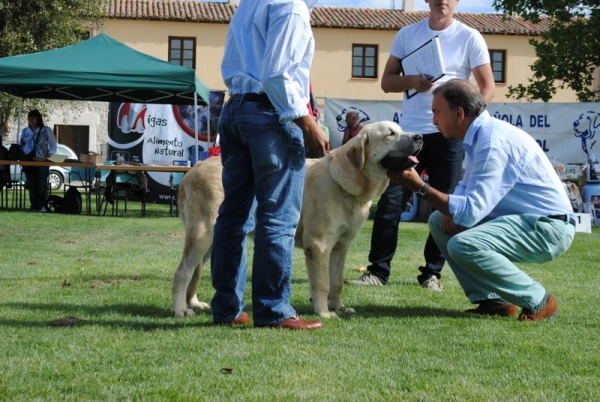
464, 52
264, 128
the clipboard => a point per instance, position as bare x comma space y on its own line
424, 60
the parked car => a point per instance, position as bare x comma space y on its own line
57, 173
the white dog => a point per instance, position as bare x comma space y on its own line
338, 191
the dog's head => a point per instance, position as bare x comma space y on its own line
385, 144
586, 125
363, 162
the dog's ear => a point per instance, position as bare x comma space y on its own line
356, 154
596, 122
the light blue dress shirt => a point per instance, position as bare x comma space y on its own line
27, 136
280, 37
507, 173
26, 140
52, 147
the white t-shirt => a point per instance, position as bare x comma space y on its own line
463, 49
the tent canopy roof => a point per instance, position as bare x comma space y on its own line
100, 69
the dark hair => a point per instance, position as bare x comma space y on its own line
459, 93
36, 113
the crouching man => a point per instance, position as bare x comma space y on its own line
510, 207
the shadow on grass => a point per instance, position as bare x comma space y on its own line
95, 315
366, 311
295, 281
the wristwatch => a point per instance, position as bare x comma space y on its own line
421, 193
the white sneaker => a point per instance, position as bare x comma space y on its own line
367, 279
433, 283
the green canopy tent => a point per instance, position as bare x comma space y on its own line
101, 69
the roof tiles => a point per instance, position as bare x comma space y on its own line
322, 17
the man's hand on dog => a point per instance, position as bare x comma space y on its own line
408, 178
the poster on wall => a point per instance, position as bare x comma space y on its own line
162, 135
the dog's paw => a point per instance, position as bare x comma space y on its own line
188, 312
199, 305
327, 314
345, 310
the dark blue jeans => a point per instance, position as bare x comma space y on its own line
37, 184
442, 159
263, 168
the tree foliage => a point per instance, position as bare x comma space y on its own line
567, 54
29, 26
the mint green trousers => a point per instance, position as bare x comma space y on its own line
482, 257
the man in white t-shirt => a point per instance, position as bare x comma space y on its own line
464, 52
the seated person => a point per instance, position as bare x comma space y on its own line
4, 169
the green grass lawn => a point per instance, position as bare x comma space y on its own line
404, 344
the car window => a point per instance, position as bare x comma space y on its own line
62, 149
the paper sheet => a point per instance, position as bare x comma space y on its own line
425, 60
52, 158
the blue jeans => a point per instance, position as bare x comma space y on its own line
482, 257
442, 158
263, 160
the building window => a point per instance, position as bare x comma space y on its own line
182, 51
364, 61
498, 59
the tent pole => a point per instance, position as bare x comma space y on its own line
208, 123
19, 120
196, 123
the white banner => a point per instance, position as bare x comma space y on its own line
567, 132
163, 135
368, 112
157, 135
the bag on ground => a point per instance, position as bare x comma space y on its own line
70, 204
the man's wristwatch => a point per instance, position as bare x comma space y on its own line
421, 193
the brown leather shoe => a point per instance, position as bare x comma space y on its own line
243, 319
490, 308
549, 310
295, 323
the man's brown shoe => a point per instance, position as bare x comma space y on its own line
243, 319
490, 308
549, 310
295, 322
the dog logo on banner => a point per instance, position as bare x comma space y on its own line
132, 117
586, 127
341, 118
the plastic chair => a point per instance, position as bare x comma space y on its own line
121, 185
100, 187
11, 188
14, 191
174, 182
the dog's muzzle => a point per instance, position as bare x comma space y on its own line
401, 161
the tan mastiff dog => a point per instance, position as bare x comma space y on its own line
338, 192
